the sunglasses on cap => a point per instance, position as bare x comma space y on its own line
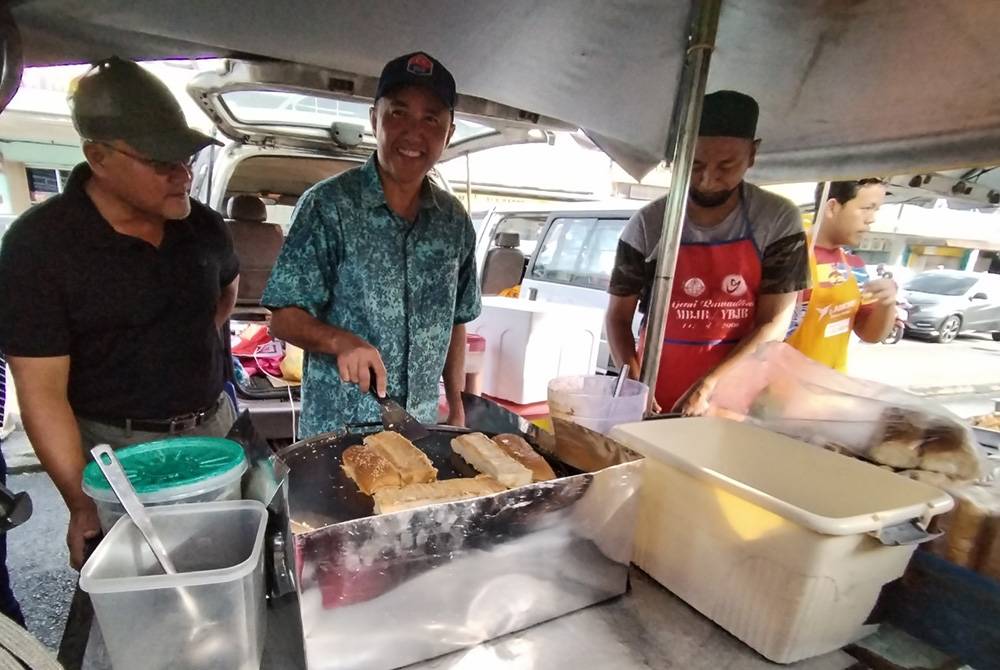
163, 168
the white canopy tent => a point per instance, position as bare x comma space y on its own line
847, 88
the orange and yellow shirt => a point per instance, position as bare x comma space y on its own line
824, 318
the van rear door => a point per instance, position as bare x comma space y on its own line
573, 262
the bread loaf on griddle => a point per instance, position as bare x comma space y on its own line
518, 448
487, 457
412, 464
369, 469
446, 490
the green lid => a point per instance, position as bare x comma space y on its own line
153, 467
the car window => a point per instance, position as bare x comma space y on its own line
988, 285
281, 215
560, 252
279, 108
603, 247
940, 284
343, 110
292, 109
579, 251
528, 229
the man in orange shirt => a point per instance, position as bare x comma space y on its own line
842, 299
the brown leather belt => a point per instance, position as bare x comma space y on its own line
173, 425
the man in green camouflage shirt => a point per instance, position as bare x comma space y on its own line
377, 277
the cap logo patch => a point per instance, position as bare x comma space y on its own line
420, 64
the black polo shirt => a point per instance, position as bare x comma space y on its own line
137, 322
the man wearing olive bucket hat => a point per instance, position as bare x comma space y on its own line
113, 293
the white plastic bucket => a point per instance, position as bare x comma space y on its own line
587, 400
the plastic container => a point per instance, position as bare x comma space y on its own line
475, 353
175, 470
529, 343
587, 401
774, 539
208, 615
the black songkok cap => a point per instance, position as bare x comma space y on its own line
729, 114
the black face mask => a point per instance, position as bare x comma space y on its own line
716, 199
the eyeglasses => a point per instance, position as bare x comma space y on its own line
163, 168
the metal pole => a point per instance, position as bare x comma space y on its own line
684, 133
818, 215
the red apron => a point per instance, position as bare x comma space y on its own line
712, 307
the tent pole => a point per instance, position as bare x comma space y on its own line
818, 215
684, 123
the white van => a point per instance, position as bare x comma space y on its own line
574, 258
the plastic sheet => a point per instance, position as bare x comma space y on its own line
780, 389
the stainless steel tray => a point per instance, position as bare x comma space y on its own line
381, 592
321, 493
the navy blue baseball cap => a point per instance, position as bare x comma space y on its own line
418, 69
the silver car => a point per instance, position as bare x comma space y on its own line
944, 303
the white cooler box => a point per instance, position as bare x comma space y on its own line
529, 343
771, 538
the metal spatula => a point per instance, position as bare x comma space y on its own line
395, 417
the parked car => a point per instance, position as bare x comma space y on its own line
898, 273
529, 223
944, 303
573, 261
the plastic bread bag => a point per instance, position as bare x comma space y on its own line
782, 390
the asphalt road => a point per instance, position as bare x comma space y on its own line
972, 361
38, 560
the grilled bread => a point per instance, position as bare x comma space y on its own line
487, 457
369, 469
518, 448
412, 464
446, 490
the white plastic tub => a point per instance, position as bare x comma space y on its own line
171, 471
209, 615
529, 343
587, 400
768, 536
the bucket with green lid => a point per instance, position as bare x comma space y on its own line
170, 471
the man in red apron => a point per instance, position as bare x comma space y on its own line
742, 260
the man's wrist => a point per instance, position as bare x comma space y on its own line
81, 504
338, 340
709, 381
